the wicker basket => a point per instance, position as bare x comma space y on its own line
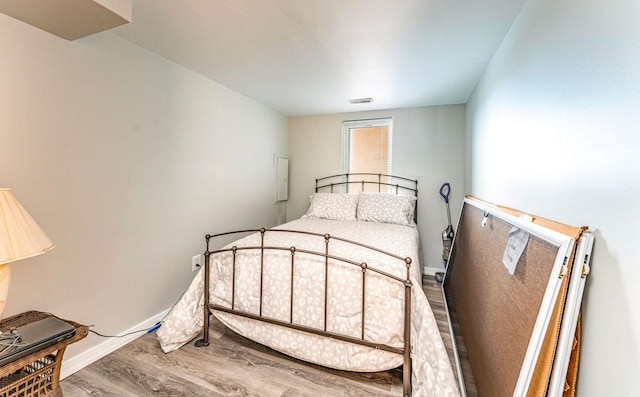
38, 374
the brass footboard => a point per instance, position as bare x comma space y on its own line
326, 255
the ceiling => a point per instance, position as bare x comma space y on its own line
304, 57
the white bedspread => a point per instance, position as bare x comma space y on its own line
432, 374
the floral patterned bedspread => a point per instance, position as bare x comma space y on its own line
432, 374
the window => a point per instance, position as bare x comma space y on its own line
366, 147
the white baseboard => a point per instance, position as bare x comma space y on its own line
89, 356
431, 271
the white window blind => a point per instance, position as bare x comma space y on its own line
366, 147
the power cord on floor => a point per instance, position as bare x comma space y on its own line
147, 330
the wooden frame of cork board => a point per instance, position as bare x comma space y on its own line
509, 324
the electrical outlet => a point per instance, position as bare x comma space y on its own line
196, 262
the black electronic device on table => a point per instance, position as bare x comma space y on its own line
22, 341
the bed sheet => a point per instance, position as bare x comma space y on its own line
431, 370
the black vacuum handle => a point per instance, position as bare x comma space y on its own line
445, 194
445, 189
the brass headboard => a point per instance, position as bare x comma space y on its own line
390, 183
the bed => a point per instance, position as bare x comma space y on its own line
339, 287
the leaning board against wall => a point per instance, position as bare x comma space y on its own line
513, 289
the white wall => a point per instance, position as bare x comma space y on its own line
428, 145
554, 129
126, 161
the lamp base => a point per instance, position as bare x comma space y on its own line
5, 278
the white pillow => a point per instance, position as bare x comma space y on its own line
337, 206
386, 208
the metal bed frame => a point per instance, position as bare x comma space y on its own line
405, 351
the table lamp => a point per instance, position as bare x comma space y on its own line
20, 238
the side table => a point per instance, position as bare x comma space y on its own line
37, 374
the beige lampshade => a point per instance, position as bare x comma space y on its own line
20, 235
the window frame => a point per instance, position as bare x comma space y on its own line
348, 125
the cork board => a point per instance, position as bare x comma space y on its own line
503, 318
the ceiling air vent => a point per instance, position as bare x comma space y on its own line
360, 100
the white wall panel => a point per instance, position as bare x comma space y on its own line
126, 160
554, 129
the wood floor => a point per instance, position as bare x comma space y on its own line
232, 366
